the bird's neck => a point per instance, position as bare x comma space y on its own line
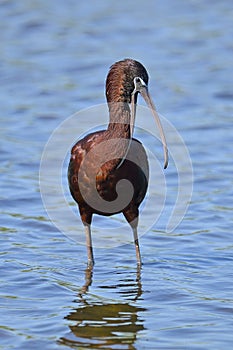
119, 120
119, 132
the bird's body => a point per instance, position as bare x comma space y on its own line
101, 160
110, 175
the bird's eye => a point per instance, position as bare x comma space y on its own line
138, 84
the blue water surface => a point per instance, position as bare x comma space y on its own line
54, 61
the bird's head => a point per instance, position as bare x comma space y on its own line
125, 80
121, 80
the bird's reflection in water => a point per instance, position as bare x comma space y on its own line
106, 323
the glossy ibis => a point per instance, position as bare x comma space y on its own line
125, 156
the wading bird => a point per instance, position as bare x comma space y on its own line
101, 160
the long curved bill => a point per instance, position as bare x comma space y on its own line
145, 94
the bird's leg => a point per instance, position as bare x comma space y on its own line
86, 216
90, 258
131, 216
138, 255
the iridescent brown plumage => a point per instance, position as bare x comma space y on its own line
126, 157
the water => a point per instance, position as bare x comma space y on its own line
54, 59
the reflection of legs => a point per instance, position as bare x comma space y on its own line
131, 216
88, 281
